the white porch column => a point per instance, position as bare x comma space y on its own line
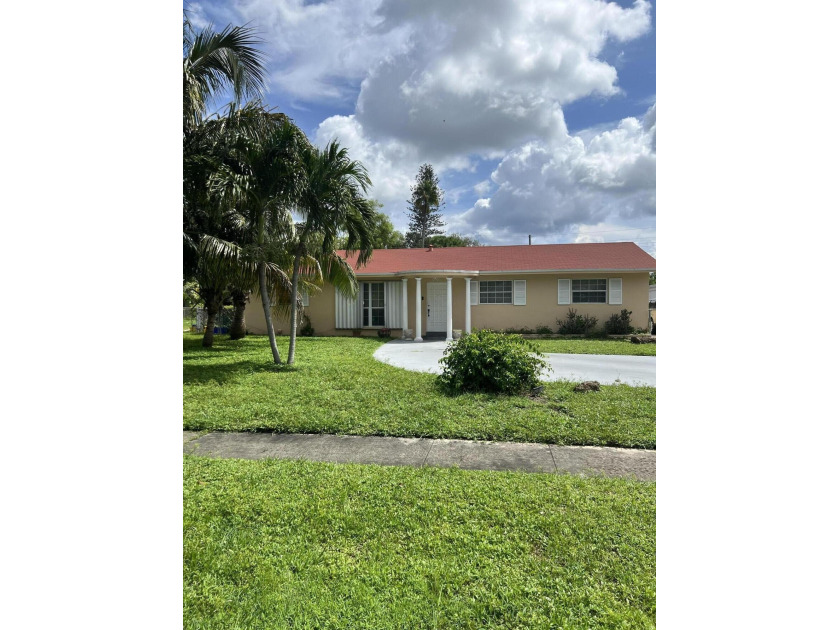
449, 309
404, 306
468, 311
417, 309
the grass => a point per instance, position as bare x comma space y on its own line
336, 386
280, 544
595, 346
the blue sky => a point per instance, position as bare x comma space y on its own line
538, 116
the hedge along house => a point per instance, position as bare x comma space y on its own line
436, 291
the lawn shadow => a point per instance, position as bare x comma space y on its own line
204, 373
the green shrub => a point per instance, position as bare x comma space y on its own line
519, 331
575, 324
306, 329
619, 324
542, 329
486, 361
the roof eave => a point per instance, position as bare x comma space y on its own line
409, 272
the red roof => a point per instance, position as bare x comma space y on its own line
568, 257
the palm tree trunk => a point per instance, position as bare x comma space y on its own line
293, 331
240, 299
266, 302
212, 304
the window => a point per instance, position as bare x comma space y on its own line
495, 292
373, 304
589, 291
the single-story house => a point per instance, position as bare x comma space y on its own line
441, 290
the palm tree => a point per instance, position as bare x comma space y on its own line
217, 61
239, 296
332, 204
212, 274
213, 62
261, 180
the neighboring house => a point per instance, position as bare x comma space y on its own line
439, 290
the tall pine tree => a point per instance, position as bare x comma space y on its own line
424, 208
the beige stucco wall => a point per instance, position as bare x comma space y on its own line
541, 306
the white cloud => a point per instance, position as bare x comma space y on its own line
556, 189
453, 82
473, 76
483, 187
196, 15
321, 51
482, 75
392, 164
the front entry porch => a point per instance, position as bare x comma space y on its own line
434, 305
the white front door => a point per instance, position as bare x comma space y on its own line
436, 307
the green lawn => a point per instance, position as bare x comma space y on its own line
595, 346
280, 544
336, 386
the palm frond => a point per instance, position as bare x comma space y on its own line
215, 61
337, 272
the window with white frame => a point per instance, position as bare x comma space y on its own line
589, 291
373, 304
495, 292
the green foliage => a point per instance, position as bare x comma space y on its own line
383, 233
233, 387
652, 278
306, 329
332, 203
229, 59
619, 324
424, 208
452, 240
575, 324
192, 294
294, 544
491, 362
542, 329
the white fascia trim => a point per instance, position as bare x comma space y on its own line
414, 272
389, 274
500, 273
437, 271
561, 271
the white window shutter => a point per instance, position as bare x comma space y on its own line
615, 291
393, 304
564, 291
304, 298
519, 292
473, 292
348, 312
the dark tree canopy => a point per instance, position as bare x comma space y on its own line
452, 240
424, 208
385, 236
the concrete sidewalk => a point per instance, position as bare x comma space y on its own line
417, 452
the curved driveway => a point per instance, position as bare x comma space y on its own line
607, 369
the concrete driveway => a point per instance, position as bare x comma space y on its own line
607, 369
